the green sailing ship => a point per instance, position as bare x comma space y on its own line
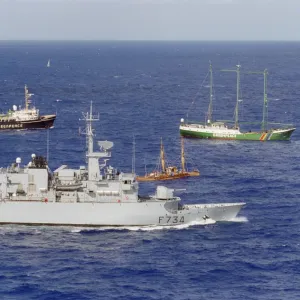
221, 130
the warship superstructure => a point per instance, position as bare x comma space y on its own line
93, 195
25, 118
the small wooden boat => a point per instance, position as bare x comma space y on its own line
165, 172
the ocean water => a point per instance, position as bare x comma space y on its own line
141, 91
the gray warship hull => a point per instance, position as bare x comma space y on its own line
111, 214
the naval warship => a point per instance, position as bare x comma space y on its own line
25, 118
93, 195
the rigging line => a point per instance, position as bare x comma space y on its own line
157, 167
200, 87
190, 161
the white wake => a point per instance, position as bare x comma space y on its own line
239, 220
145, 228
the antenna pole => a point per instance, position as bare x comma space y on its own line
133, 155
48, 145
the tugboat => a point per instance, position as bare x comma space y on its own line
164, 172
94, 195
25, 118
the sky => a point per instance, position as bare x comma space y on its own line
150, 20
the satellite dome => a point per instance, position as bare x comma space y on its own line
15, 107
182, 120
33, 155
18, 160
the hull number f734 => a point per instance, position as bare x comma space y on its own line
171, 219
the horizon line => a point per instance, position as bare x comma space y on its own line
136, 40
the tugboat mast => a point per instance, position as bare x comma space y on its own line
27, 96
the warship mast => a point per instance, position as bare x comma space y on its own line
93, 157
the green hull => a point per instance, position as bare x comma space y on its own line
270, 135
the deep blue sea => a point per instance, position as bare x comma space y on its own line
141, 91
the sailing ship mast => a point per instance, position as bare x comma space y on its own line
265, 107
236, 111
162, 157
265, 104
209, 113
236, 123
182, 156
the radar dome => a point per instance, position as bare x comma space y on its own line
15, 107
18, 160
182, 120
33, 155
